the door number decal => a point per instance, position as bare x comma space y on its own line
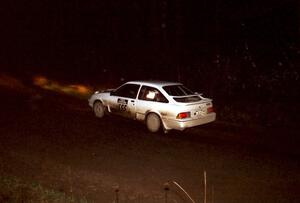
122, 104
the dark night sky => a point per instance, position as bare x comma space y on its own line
49, 34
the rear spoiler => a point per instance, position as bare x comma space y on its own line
191, 95
202, 99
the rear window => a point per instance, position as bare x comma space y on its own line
181, 94
177, 90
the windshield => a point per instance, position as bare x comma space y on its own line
177, 90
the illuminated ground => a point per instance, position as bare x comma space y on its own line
55, 140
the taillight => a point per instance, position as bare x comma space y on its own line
210, 109
183, 115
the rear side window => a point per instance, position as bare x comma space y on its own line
152, 94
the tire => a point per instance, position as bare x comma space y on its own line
153, 122
99, 109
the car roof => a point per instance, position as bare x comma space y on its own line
154, 82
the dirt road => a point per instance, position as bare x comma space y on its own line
55, 140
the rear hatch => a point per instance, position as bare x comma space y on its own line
196, 105
192, 104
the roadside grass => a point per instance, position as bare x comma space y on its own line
13, 189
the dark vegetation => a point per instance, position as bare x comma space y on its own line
248, 89
244, 55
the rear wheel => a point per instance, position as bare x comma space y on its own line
99, 109
153, 122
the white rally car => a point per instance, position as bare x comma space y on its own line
161, 105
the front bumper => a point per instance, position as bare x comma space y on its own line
181, 125
90, 102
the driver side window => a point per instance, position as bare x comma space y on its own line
128, 90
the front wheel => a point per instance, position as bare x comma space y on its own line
153, 122
99, 109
